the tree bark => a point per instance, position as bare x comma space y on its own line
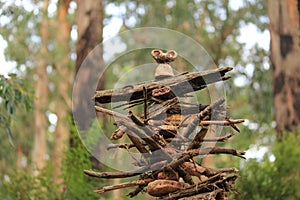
89, 22
41, 98
62, 99
285, 62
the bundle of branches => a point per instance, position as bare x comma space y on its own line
171, 134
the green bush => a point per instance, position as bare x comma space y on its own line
23, 185
272, 180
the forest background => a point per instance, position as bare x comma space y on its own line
46, 41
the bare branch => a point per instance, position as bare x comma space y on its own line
124, 185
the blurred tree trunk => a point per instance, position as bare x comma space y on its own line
41, 96
62, 99
285, 62
89, 22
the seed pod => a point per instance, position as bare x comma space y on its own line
160, 188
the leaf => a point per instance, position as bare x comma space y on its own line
12, 75
9, 134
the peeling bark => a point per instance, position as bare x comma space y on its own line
285, 62
89, 22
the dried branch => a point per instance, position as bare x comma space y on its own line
165, 144
196, 118
138, 144
177, 118
121, 146
182, 84
145, 94
215, 183
124, 185
110, 175
143, 132
185, 176
215, 150
135, 119
117, 134
198, 139
195, 152
136, 191
163, 107
219, 139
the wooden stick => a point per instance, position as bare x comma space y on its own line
135, 119
111, 113
185, 176
182, 84
174, 126
143, 132
164, 106
195, 152
215, 150
136, 191
145, 104
137, 143
121, 146
219, 139
124, 185
197, 141
117, 134
175, 119
110, 175
196, 118
216, 183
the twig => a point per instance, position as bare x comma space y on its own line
214, 183
219, 139
185, 176
121, 146
195, 152
110, 175
215, 150
136, 191
135, 119
117, 134
164, 106
137, 143
196, 119
198, 139
123, 185
145, 104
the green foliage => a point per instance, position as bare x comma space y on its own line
23, 185
20, 29
77, 184
13, 93
272, 180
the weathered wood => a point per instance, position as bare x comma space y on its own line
123, 185
162, 132
180, 85
109, 175
212, 185
196, 118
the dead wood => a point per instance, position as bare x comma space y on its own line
182, 84
124, 185
163, 135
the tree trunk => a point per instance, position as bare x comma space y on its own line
41, 98
285, 62
89, 21
63, 100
